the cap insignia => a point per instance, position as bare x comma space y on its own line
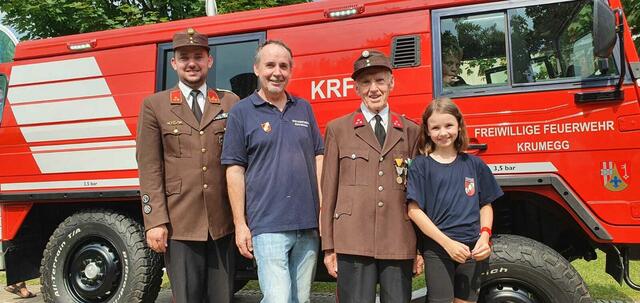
365, 54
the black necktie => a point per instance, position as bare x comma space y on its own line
379, 130
195, 107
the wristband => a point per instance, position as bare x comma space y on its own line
487, 229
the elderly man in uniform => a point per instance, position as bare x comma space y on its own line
367, 237
186, 210
274, 152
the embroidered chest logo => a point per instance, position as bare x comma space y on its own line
301, 123
266, 127
469, 186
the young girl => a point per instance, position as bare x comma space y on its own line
450, 195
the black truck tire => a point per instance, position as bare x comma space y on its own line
99, 256
522, 270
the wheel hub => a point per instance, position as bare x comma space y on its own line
94, 271
504, 292
91, 270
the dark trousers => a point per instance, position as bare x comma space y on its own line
201, 271
358, 276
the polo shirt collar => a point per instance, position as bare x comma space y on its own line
258, 101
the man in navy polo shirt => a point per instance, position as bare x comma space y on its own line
273, 150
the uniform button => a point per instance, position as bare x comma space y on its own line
202, 132
380, 188
353, 156
204, 150
381, 159
175, 131
380, 173
204, 168
336, 216
380, 204
205, 186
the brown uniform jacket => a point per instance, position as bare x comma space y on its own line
182, 181
364, 209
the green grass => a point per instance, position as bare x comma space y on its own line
601, 285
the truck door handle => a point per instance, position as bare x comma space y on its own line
478, 146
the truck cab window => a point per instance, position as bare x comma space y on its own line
555, 41
3, 93
473, 51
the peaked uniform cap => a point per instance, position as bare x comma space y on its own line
190, 37
369, 59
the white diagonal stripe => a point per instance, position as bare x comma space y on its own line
55, 71
58, 91
87, 160
124, 143
69, 184
84, 109
72, 131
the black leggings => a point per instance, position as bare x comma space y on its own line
447, 279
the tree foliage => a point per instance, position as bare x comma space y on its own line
632, 13
50, 18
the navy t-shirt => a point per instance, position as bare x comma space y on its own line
452, 194
278, 151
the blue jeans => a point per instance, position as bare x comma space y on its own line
286, 265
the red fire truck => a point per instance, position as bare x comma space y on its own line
548, 88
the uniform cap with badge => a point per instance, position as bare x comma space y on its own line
369, 59
190, 37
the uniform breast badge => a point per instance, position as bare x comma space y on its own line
401, 166
221, 116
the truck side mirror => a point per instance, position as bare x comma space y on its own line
604, 29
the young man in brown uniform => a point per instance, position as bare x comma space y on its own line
185, 207
367, 237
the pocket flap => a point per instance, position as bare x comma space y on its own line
173, 187
355, 154
176, 130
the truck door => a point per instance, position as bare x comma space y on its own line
515, 70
